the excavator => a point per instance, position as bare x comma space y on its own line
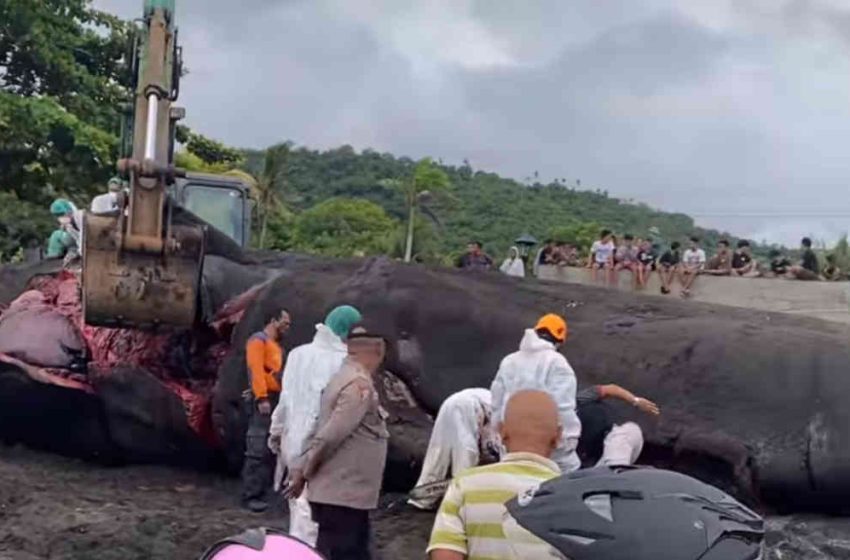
141, 264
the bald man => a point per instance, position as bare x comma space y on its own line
469, 522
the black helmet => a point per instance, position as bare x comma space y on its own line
636, 513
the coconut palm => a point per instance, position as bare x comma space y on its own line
426, 183
269, 187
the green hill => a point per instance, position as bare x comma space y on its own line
485, 206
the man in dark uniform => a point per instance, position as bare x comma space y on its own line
603, 441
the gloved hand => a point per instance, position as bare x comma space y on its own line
274, 443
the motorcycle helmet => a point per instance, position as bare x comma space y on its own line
637, 513
261, 544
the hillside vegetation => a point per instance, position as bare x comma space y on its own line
481, 205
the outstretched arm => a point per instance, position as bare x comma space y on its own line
617, 392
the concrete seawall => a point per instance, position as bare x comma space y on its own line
824, 300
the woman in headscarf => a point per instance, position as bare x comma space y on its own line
513, 265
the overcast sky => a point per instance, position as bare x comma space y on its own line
734, 111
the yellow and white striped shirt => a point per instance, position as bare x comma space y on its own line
470, 518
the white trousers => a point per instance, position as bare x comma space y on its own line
301, 524
454, 443
623, 445
435, 468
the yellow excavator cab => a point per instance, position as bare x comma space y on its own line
222, 201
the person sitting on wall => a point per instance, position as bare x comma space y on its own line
721, 263
571, 256
602, 254
627, 258
779, 263
831, 271
808, 269
693, 262
558, 254
647, 258
743, 263
668, 266
544, 256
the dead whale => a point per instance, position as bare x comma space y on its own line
751, 401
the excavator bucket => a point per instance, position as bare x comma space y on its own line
124, 288
140, 268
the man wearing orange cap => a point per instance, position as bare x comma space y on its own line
539, 366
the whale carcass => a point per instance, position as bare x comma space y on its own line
752, 401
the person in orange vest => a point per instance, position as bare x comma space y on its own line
264, 356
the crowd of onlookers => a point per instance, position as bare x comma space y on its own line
643, 257
608, 256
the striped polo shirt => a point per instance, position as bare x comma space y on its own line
470, 518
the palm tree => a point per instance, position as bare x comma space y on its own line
425, 183
269, 187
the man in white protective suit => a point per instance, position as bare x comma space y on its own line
539, 366
465, 436
462, 432
308, 369
107, 203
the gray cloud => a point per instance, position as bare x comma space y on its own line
733, 110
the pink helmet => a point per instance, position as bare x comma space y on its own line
261, 544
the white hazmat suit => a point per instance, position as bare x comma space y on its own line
104, 203
308, 370
462, 422
539, 366
513, 265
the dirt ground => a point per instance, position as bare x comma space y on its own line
63, 509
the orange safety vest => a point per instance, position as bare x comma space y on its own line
265, 363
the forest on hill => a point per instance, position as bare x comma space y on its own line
478, 205
66, 77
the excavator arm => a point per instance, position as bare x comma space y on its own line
140, 269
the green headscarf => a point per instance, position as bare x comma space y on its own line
61, 207
342, 319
